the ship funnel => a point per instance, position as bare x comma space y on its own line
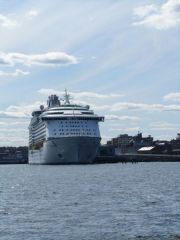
53, 101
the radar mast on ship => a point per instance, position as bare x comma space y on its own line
66, 98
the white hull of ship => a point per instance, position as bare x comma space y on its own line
67, 150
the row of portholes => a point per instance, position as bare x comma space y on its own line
79, 134
73, 122
76, 129
72, 126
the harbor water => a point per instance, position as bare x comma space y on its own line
99, 202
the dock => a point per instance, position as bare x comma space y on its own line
134, 158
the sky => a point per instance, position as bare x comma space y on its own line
121, 57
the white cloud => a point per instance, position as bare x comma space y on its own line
49, 91
160, 17
21, 111
32, 13
46, 59
80, 95
13, 130
119, 106
17, 73
163, 126
13, 123
175, 96
126, 130
143, 107
163, 137
13, 140
145, 10
121, 118
5, 21
163, 129
95, 95
7, 114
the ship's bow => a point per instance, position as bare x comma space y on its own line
71, 150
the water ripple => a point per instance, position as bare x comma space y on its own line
101, 202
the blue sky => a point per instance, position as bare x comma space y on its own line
120, 57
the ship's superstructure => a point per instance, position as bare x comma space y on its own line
63, 133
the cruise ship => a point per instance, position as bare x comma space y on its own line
63, 133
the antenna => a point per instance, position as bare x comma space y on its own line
66, 97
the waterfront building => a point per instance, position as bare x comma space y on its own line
158, 148
125, 143
175, 144
13, 155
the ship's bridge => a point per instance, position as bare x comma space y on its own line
57, 111
71, 112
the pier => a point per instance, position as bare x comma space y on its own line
134, 158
